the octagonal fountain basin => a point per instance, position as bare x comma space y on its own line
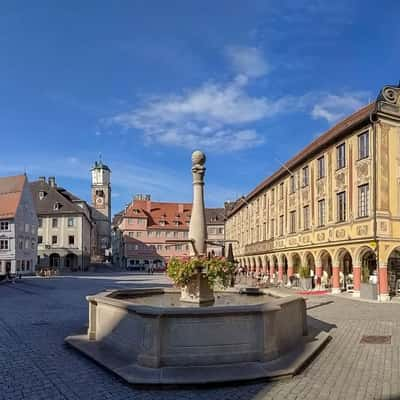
149, 336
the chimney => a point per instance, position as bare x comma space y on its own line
52, 181
42, 179
180, 208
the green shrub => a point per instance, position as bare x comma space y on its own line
218, 270
304, 271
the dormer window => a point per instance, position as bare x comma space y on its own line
42, 194
177, 223
162, 223
56, 206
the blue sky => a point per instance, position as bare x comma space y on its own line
146, 82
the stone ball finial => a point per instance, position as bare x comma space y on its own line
198, 157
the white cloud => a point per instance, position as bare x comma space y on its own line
210, 116
248, 61
334, 107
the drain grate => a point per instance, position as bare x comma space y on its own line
376, 339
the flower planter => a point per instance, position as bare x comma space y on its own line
306, 283
369, 291
197, 290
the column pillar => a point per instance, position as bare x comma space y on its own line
335, 279
318, 271
280, 273
257, 268
272, 271
356, 280
290, 272
383, 282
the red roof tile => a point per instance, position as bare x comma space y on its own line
11, 188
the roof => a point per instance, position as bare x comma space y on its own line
341, 129
100, 165
11, 188
53, 195
161, 215
215, 216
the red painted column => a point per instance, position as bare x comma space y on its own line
280, 273
335, 279
272, 272
383, 282
290, 272
265, 269
356, 279
257, 269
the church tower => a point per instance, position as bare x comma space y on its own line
101, 203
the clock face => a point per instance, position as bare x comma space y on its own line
99, 201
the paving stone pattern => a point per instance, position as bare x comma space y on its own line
36, 314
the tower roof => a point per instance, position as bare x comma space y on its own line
100, 165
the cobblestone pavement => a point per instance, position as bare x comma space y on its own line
36, 315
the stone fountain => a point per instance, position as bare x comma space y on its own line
196, 335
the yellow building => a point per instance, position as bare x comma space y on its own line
334, 207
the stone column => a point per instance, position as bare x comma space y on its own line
197, 226
290, 272
280, 273
383, 282
335, 279
271, 271
356, 280
318, 271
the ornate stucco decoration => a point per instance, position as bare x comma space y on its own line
363, 171
388, 100
321, 236
305, 195
340, 181
340, 233
292, 241
362, 230
321, 188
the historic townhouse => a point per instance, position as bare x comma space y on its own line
335, 206
142, 233
65, 234
18, 227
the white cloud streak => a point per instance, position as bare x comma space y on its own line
248, 61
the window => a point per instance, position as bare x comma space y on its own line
363, 194
54, 223
33, 244
54, 239
272, 228
272, 197
281, 191
27, 243
292, 184
340, 156
4, 244
41, 195
28, 265
292, 222
40, 222
281, 225
306, 217
20, 244
363, 145
130, 221
306, 176
178, 247
138, 234
56, 206
71, 240
40, 239
158, 233
341, 206
131, 234
70, 221
4, 226
321, 167
321, 212
27, 228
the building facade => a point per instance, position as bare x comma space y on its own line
18, 227
215, 221
65, 232
144, 233
334, 207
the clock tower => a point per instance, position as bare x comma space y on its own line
101, 202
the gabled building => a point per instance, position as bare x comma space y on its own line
18, 227
65, 232
141, 233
